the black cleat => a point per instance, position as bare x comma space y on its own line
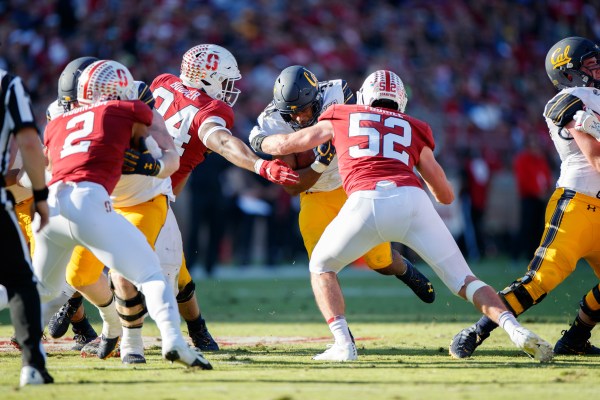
102, 347
567, 346
84, 334
59, 322
202, 338
465, 342
418, 282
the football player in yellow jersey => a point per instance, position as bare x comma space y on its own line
298, 100
572, 224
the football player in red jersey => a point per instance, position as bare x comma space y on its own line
197, 109
378, 146
85, 149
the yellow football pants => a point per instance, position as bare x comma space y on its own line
318, 209
23, 211
571, 232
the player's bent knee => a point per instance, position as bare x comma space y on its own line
522, 294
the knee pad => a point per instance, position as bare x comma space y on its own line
186, 293
590, 304
520, 295
131, 311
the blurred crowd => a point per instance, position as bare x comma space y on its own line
473, 69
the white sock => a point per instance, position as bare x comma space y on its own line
508, 322
132, 342
162, 308
339, 328
111, 326
3, 298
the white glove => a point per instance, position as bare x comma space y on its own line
587, 121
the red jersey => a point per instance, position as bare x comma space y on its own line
88, 143
375, 144
533, 174
184, 110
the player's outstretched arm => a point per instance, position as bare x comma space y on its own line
219, 139
298, 141
435, 177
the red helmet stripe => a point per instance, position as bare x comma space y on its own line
85, 87
388, 81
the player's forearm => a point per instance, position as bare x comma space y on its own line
308, 178
170, 163
233, 150
34, 162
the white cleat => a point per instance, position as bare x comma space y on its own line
32, 376
190, 357
338, 352
533, 345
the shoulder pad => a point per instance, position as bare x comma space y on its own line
562, 108
145, 94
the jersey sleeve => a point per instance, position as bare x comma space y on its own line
135, 110
219, 109
158, 81
145, 94
561, 109
349, 97
18, 105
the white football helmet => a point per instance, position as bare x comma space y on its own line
382, 85
105, 80
213, 69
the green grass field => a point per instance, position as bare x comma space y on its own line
270, 328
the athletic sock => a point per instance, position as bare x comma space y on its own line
579, 330
485, 326
132, 341
508, 322
111, 327
195, 325
339, 328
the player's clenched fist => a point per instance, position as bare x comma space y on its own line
276, 171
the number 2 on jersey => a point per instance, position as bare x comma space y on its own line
86, 128
179, 123
400, 132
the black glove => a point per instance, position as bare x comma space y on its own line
324, 154
140, 161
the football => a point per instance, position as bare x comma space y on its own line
304, 159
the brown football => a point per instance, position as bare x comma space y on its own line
304, 159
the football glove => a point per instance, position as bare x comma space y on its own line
325, 153
587, 121
140, 161
276, 171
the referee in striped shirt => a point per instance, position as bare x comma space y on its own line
17, 283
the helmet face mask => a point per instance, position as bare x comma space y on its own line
565, 63
105, 80
67, 83
296, 90
213, 69
382, 85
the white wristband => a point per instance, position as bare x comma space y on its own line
258, 165
318, 167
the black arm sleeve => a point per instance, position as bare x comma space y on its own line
145, 94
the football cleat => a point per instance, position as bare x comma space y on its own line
84, 334
60, 321
102, 347
338, 352
532, 345
567, 346
202, 338
33, 376
187, 356
465, 342
133, 358
15, 343
418, 282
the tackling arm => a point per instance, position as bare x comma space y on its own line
435, 177
298, 141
